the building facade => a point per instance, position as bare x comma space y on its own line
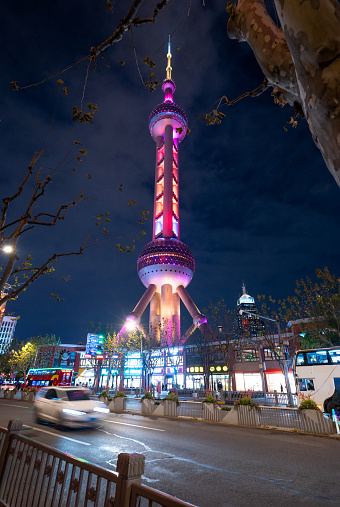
7, 329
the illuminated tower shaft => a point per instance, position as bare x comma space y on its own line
166, 209
166, 265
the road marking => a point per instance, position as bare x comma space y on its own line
55, 435
134, 425
18, 406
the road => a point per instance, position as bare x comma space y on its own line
204, 463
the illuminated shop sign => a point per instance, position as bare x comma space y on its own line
195, 369
218, 369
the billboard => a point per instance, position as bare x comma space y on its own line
94, 344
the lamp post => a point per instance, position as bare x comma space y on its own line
141, 365
285, 367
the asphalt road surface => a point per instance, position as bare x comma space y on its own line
207, 464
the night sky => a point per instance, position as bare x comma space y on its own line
257, 204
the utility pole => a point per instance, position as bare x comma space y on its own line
285, 366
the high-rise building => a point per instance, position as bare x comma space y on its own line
7, 329
248, 322
166, 265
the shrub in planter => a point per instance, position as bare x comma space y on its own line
227, 409
172, 397
210, 399
120, 395
104, 397
246, 400
308, 404
147, 396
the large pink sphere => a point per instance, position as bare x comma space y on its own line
166, 261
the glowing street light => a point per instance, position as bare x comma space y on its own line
7, 248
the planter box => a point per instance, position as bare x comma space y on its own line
247, 415
117, 404
211, 412
314, 421
170, 408
149, 407
229, 417
9, 394
158, 409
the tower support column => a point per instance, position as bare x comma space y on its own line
155, 316
176, 318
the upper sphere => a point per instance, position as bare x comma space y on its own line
166, 261
168, 113
246, 299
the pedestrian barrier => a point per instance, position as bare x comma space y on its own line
35, 474
190, 409
265, 398
309, 421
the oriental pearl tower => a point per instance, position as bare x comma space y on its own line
166, 266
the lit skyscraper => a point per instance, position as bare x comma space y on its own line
247, 319
166, 265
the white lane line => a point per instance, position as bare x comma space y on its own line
55, 435
18, 406
134, 425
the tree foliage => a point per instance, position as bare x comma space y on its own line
317, 304
36, 353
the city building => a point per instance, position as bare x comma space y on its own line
248, 323
7, 329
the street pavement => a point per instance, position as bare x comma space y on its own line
204, 463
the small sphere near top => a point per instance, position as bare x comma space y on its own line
168, 113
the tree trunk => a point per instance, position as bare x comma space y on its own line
303, 61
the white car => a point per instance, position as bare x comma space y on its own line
68, 406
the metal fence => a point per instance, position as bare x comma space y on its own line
310, 421
265, 398
190, 409
143, 496
36, 475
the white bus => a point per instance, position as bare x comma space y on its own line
317, 376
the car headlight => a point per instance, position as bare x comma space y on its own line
101, 409
70, 411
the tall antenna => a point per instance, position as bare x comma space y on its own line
169, 68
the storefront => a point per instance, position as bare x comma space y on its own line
219, 377
194, 378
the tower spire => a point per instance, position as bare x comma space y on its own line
169, 68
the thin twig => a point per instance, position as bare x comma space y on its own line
134, 50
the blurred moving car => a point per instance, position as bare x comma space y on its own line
68, 406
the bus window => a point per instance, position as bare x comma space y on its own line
317, 357
335, 356
300, 359
306, 384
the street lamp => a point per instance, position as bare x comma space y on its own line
285, 367
7, 248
